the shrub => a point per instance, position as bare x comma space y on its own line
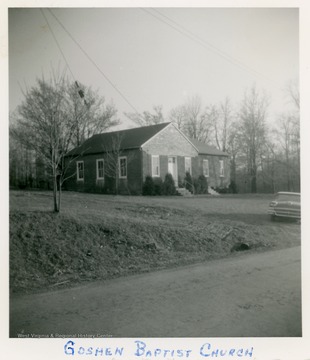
169, 186
158, 186
22, 185
201, 185
180, 182
233, 187
188, 181
148, 186
222, 190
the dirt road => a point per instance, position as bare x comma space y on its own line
247, 295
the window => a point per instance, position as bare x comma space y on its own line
122, 163
80, 170
100, 169
221, 168
205, 167
155, 165
188, 165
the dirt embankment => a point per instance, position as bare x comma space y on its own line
49, 250
244, 296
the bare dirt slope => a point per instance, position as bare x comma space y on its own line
245, 295
97, 237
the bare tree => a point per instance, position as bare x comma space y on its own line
90, 112
190, 118
287, 135
233, 147
285, 144
212, 115
22, 164
193, 125
295, 117
293, 93
252, 131
178, 116
46, 125
147, 118
113, 155
269, 164
225, 121
285, 139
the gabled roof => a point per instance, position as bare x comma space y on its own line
205, 149
133, 139
128, 139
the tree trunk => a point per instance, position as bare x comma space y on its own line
116, 184
288, 175
233, 168
55, 192
56, 209
59, 196
253, 181
253, 185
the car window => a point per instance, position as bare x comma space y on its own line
288, 197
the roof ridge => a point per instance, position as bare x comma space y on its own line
135, 128
201, 144
130, 138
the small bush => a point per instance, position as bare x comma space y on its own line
148, 186
22, 185
180, 182
222, 190
169, 186
201, 185
188, 181
233, 187
158, 186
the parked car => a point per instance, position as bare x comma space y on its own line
285, 205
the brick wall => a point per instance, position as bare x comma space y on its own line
131, 185
214, 179
169, 142
163, 164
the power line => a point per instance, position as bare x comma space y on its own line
183, 31
80, 91
93, 62
57, 43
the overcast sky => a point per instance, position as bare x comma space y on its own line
160, 56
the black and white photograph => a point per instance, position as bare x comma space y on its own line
154, 176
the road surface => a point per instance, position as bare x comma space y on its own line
249, 295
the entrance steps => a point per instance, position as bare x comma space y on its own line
184, 192
212, 191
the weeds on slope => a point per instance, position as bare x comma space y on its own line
47, 249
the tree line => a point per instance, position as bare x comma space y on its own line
264, 155
57, 115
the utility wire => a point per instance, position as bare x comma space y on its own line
57, 43
93, 62
183, 31
80, 91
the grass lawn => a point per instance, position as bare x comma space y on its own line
100, 236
